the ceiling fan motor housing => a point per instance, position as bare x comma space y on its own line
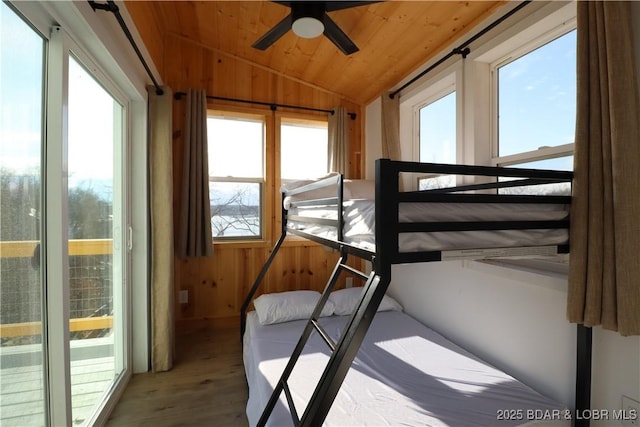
307, 18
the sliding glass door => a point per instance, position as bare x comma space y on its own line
95, 223
23, 390
63, 223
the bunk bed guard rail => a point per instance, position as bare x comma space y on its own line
389, 199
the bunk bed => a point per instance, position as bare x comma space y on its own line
479, 218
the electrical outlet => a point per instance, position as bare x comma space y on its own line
183, 297
630, 411
348, 282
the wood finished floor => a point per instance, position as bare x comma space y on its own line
206, 386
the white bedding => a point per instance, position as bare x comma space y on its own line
359, 227
405, 374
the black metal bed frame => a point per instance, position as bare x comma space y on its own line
387, 252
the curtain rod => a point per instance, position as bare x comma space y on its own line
463, 49
272, 105
110, 6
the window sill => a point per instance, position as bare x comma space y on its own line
290, 241
538, 272
258, 243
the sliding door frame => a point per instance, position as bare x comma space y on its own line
105, 56
55, 235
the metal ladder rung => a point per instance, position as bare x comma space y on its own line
354, 271
324, 335
292, 406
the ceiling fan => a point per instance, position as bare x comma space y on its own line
309, 19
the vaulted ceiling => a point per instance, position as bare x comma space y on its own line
394, 38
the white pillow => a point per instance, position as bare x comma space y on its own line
346, 300
290, 305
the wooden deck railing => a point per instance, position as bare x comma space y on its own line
25, 249
35, 328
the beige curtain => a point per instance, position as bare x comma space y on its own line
194, 237
161, 221
604, 271
338, 130
390, 127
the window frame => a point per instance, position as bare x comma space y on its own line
220, 111
535, 35
538, 40
271, 196
448, 81
279, 117
476, 104
108, 62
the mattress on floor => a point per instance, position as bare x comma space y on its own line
404, 374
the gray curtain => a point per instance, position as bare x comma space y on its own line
194, 234
390, 127
604, 269
338, 130
391, 131
161, 222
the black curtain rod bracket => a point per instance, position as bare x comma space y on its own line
463, 49
272, 106
111, 6
462, 52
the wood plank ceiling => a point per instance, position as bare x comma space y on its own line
394, 38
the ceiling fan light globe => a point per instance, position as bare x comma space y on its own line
307, 27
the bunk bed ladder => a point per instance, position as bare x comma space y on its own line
342, 353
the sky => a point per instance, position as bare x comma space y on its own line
91, 110
303, 149
93, 127
537, 98
20, 93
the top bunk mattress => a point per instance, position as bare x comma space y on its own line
403, 374
359, 221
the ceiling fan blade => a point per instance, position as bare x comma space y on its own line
273, 34
330, 6
338, 37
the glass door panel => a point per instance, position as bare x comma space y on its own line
22, 374
95, 137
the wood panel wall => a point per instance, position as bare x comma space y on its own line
217, 286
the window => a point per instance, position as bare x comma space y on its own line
303, 149
534, 118
536, 108
437, 138
240, 166
236, 174
510, 103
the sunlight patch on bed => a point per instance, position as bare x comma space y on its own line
452, 367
